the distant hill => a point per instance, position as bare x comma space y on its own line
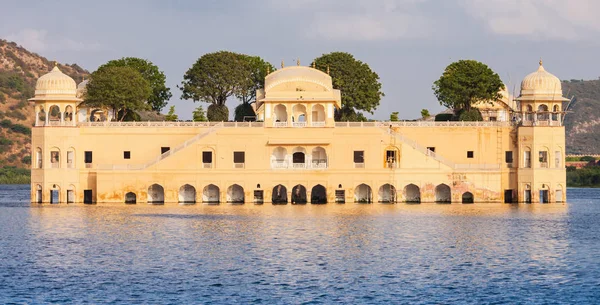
19, 70
582, 122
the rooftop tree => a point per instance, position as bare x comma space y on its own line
160, 92
123, 89
359, 85
465, 83
257, 70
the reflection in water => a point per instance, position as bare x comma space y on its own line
269, 254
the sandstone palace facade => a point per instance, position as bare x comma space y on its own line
296, 153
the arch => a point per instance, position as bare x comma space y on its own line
38, 194
279, 153
558, 193
130, 198
318, 194
299, 113
55, 194
529, 113
443, 194
235, 194
556, 108
299, 155
279, 195
412, 193
318, 113
280, 112
555, 112
54, 157
467, 197
97, 115
38, 158
210, 194
187, 194
68, 116
54, 113
543, 114
71, 195
156, 194
299, 194
41, 116
71, 157
529, 108
363, 194
542, 108
386, 194
319, 156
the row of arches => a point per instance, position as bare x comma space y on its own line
235, 194
55, 158
298, 113
543, 113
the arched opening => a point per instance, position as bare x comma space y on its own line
38, 158
130, 198
318, 194
71, 194
542, 112
443, 194
279, 195
543, 157
467, 197
98, 115
54, 157
235, 194
299, 157
318, 115
156, 194
412, 194
210, 194
38, 194
41, 117
299, 194
387, 194
280, 112
558, 194
71, 157
363, 194
68, 114
299, 114
555, 113
187, 194
529, 113
54, 114
55, 194
278, 157
319, 157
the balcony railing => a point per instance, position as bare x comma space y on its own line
55, 165
298, 166
318, 124
359, 165
207, 165
299, 124
280, 124
544, 164
238, 165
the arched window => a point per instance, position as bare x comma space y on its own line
41, 117
299, 157
299, 115
319, 157
71, 194
54, 114
278, 157
318, 115
71, 158
54, 158
38, 194
555, 113
38, 158
68, 114
281, 115
543, 114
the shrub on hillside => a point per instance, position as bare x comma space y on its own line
26, 160
18, 128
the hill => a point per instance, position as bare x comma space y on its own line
19, 70
582, 122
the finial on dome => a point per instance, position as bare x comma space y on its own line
268, 70
298, 62
327, 69
282, 64
541, 62
314, 65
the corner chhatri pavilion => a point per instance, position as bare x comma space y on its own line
297, 153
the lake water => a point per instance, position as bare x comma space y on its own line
356, 254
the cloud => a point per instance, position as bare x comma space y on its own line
40, 41
537, 19
359, 20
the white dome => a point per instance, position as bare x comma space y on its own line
82, 87
541, 83
55, 85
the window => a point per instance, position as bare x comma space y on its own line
88, 157
508, 156
258, 196
207, 159
432, 149
239, 158
164, 150
390, 158
55, 159
70, 159
543, 159
340, 196
557, 157
87, 196
493, 119
527, 159
470, 154
359, 158
126, 155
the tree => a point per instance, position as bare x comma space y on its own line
465, 83
256, 72
214, 78
160, 92
359, 85
425, 113
171, 116
394, 116
120, 88
199, 115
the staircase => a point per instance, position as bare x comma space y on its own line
185, 144
420, 148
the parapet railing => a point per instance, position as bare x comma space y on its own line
170, 124
303, 124
424, 124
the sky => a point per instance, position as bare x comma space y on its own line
408, 43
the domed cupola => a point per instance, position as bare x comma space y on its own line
55, 86
81, 88
541, 85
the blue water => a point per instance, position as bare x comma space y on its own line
356, 254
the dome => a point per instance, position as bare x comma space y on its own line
55, 86
541, 84
82, 87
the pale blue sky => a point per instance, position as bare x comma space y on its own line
407, 42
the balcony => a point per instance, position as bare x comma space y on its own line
280, 164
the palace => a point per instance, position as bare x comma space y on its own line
296, 153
